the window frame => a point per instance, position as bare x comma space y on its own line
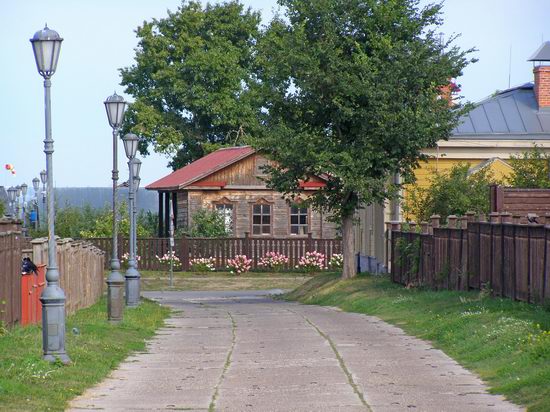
308, 220
226, 202
262, 202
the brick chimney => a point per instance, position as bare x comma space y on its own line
542, 86
541, 60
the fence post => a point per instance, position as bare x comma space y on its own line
246, 244
494, 217
451, 221
309, 242
482, 217
185, 253
388, 244
435, 221
516, 219
470, 216
506, 217
464, 222
425, 228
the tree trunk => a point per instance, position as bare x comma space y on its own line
348, 248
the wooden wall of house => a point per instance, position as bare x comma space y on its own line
246, 172
243, 200
183, 213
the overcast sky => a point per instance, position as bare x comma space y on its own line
99, 39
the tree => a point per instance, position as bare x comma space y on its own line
530, 169
191, 80
351, 91
453, 192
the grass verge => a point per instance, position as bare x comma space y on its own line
506, 343
27, 383
151, 280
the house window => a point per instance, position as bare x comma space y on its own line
298, 220
226, 211
261, 219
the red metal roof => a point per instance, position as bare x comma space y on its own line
201, 168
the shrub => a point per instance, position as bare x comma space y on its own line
312, 262
207, 223
336, 261
530, 169
240, 264
165, 260
273, 260
452, 192
203, 264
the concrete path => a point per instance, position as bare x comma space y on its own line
242, 351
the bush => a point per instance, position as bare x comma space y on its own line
273, 260
203, 264
336, 261
453, 192
240, 264
167, 257
2, 208
312, 262
207, 223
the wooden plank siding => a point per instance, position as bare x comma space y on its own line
520, 201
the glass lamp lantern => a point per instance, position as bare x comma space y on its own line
46, 44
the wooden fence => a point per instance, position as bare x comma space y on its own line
520, 201
10, 277
81, 269
506, 257
221, 249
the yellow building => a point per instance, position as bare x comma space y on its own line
507, 123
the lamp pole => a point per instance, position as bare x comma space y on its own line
18, 202
46, 45
115, 107
44, 179
24, 189
137, 181
11, 197
36, 188
132, 275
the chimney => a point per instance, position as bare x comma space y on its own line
541, 62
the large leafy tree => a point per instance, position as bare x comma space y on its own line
191, 80
351, 91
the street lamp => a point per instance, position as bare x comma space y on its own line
17, 201
115, 107
11, 197
132, 275
36, 188
44, 179
136, 165
24, 188
46, 45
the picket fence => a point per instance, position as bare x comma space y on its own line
221, 249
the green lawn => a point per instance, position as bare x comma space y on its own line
151, 280
506, 343
27, 383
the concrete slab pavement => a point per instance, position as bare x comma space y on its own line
242, 351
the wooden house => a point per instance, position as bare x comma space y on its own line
230, 180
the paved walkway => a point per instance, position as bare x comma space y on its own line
242, 351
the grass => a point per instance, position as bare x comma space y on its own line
506, 343
151, 280
27, 383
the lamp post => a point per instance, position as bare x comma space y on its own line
46, 45
36, 188
17, 202
137, 167
115, 107
24, 189
11, 197
132, 275
44, 179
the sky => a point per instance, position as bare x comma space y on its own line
99, 38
